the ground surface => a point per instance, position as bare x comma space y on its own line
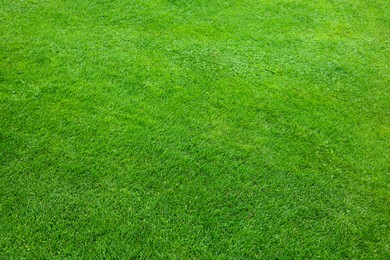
194, 129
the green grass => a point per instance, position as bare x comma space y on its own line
194, 129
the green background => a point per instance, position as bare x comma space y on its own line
194, 129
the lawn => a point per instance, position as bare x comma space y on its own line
194, 129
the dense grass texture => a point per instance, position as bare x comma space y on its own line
194, 129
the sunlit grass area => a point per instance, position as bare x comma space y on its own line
194, 129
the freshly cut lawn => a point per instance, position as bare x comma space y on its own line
194, 129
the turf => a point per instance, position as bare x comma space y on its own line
194, 129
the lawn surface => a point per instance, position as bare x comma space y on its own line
194, 129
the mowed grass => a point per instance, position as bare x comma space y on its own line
194, 129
